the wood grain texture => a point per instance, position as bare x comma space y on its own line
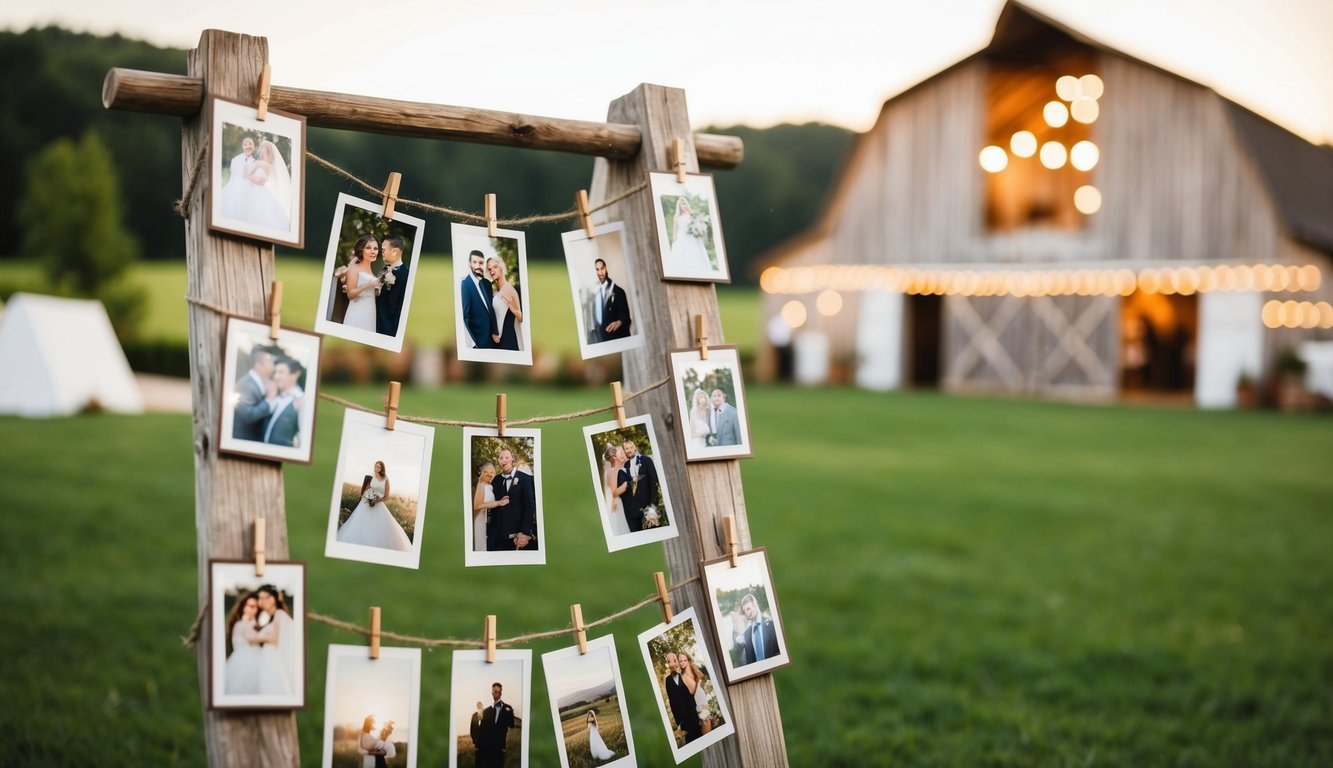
182, 96
229, 492
713, 490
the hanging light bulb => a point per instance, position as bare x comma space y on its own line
993, 159
1023, 144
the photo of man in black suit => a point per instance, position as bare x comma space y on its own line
389, 302
609, 308
643, 477
476, 293
514, 525
493, 731
681, 701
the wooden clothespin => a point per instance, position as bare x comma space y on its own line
490, 214
678, 159
275, 310
729, 523
391, 195
700, 338
581, 201
374, 631
261, 102
391, 405
500, 407
259, 546
618, 403
664, 596
490, 638
580, 631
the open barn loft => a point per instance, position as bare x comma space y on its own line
1051, 216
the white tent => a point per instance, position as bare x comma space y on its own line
57, 356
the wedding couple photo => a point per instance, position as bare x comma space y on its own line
256, 635
268, 393
689, 232
491, 308
256, 179
710, 403
502, 497
371, 707
489, 704
634, 504
689, 696
378, 511
369, 273
745, 615
588, 705
606, 305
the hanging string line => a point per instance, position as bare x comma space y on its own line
182, 206
192, 639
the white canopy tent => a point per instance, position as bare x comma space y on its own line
58, 356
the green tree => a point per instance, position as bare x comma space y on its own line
72, 223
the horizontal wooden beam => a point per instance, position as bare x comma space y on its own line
157, 93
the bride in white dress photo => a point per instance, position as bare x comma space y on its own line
701, 426
276, 643
595, 744
359, 284
688, 253
242, 668
483, 501
371, 524
615, 481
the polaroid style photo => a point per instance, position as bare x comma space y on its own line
689, 231
256, 183
605, 303
256, 637
588, 705
745, 615
491, 299
490, 708
688, 691
633, 502
370, 268
269, 392
371, 707
378, 511
710, 403
502, 497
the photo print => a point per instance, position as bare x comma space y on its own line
745, 615
592, 726
256, 635
633, 502
378, 512
370, 268
605, 303
257, 175
489, 706
269, 392
502, 497
371, 707
491, 306
689, 694
689, 232
710, 403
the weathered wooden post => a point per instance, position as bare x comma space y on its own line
667, 311
229, 493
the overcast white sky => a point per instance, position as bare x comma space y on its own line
758, 62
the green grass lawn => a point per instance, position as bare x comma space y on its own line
964, 581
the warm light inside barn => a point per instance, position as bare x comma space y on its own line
1067, 87
1087, 199
1084, 109
1023, 144
1298, 314
793, 313
993, 159
1084, 155
1089, 86
1055, 114
829, 303
1053, 155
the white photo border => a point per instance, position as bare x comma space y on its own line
756, 558
635, 340
616, 543
467, 232
516, 557
293, 126
282, 574
712, 737
479, 657
336, 652
677, 362
227, 412
607, 643
665, 184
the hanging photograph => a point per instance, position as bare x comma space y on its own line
378, 512
633, 503
710, 403
256, 636
745, 615
256, 183
370, 268
689, 232
588, 705
371, 707
688, 691
489, 707
269, 392
491, 311
605, 303
502, 497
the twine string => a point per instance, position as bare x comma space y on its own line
182, 206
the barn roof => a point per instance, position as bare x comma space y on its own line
1297, 173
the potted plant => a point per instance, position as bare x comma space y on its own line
1289, 369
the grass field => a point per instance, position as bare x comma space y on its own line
964, 582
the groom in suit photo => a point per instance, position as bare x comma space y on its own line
389, 302
610, 308
758, 641
514, 525
681, 701
642, 470
726, 424
254, 391
476, 292
496, 720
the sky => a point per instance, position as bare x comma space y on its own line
757, 62
381, 687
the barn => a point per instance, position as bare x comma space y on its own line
1055, 218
